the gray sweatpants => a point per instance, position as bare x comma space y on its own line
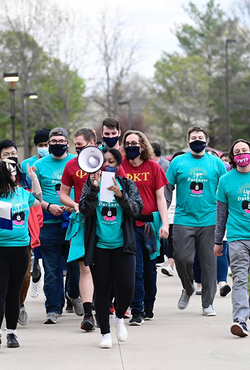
186, 241
239, 253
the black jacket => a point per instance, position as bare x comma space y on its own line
132, 206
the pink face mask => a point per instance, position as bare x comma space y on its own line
242, 160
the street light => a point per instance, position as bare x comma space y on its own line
129, 112
12, 78
25, 121
228, 41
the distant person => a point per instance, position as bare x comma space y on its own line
41, 142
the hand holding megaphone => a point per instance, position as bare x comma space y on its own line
95, 178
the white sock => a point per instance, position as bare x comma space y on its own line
108, 335
11, 331
221, 284
117, 320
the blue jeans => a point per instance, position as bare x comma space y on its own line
53, 247
145, 277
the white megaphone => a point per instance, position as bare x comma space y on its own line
91, 159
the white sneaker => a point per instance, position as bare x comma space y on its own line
106, 341
120, 329
167, 270
35, 288
209, 311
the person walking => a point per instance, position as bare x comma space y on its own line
110, 244
14, 244
151, 225
196, 175
233, 213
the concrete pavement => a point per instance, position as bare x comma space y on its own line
174, 340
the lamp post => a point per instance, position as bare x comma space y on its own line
129, 112
25, 122
228, 41
12, 78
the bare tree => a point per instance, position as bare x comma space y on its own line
118, 52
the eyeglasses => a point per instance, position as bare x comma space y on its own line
133, 143
54, 142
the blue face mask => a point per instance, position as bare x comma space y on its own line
58, 149
42, 152
197, 146
110, 141
132, 152
110, 169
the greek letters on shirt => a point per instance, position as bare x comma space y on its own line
81, 174
244, 198
138, 176
198, 179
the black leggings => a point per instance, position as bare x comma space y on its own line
13, 266
112, 266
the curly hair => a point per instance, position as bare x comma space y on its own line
147, 150
231, 151
116, 154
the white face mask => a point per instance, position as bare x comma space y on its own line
42, 152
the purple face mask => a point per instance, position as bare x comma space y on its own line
242, 160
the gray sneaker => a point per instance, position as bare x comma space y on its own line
51, 318
77, 305
209, 311
184, 300
23, 317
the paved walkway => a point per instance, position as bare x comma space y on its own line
174, 340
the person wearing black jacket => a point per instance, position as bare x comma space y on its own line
110, 244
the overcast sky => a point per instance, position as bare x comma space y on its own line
154, 19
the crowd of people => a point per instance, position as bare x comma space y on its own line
100, 244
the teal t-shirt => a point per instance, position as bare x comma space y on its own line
197, 181
21, 201
109, 224
49, 173
234, 190
30, 161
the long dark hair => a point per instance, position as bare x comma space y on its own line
231, 151
7, 185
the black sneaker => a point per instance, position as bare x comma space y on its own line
136, 320
12, 341
69, 307
88, 323
225, 290
148, 313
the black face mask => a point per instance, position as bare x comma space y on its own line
15, 159
110, 141
80, 148
197, 146
58, 149
132, 152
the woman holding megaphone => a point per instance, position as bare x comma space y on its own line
109, 210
